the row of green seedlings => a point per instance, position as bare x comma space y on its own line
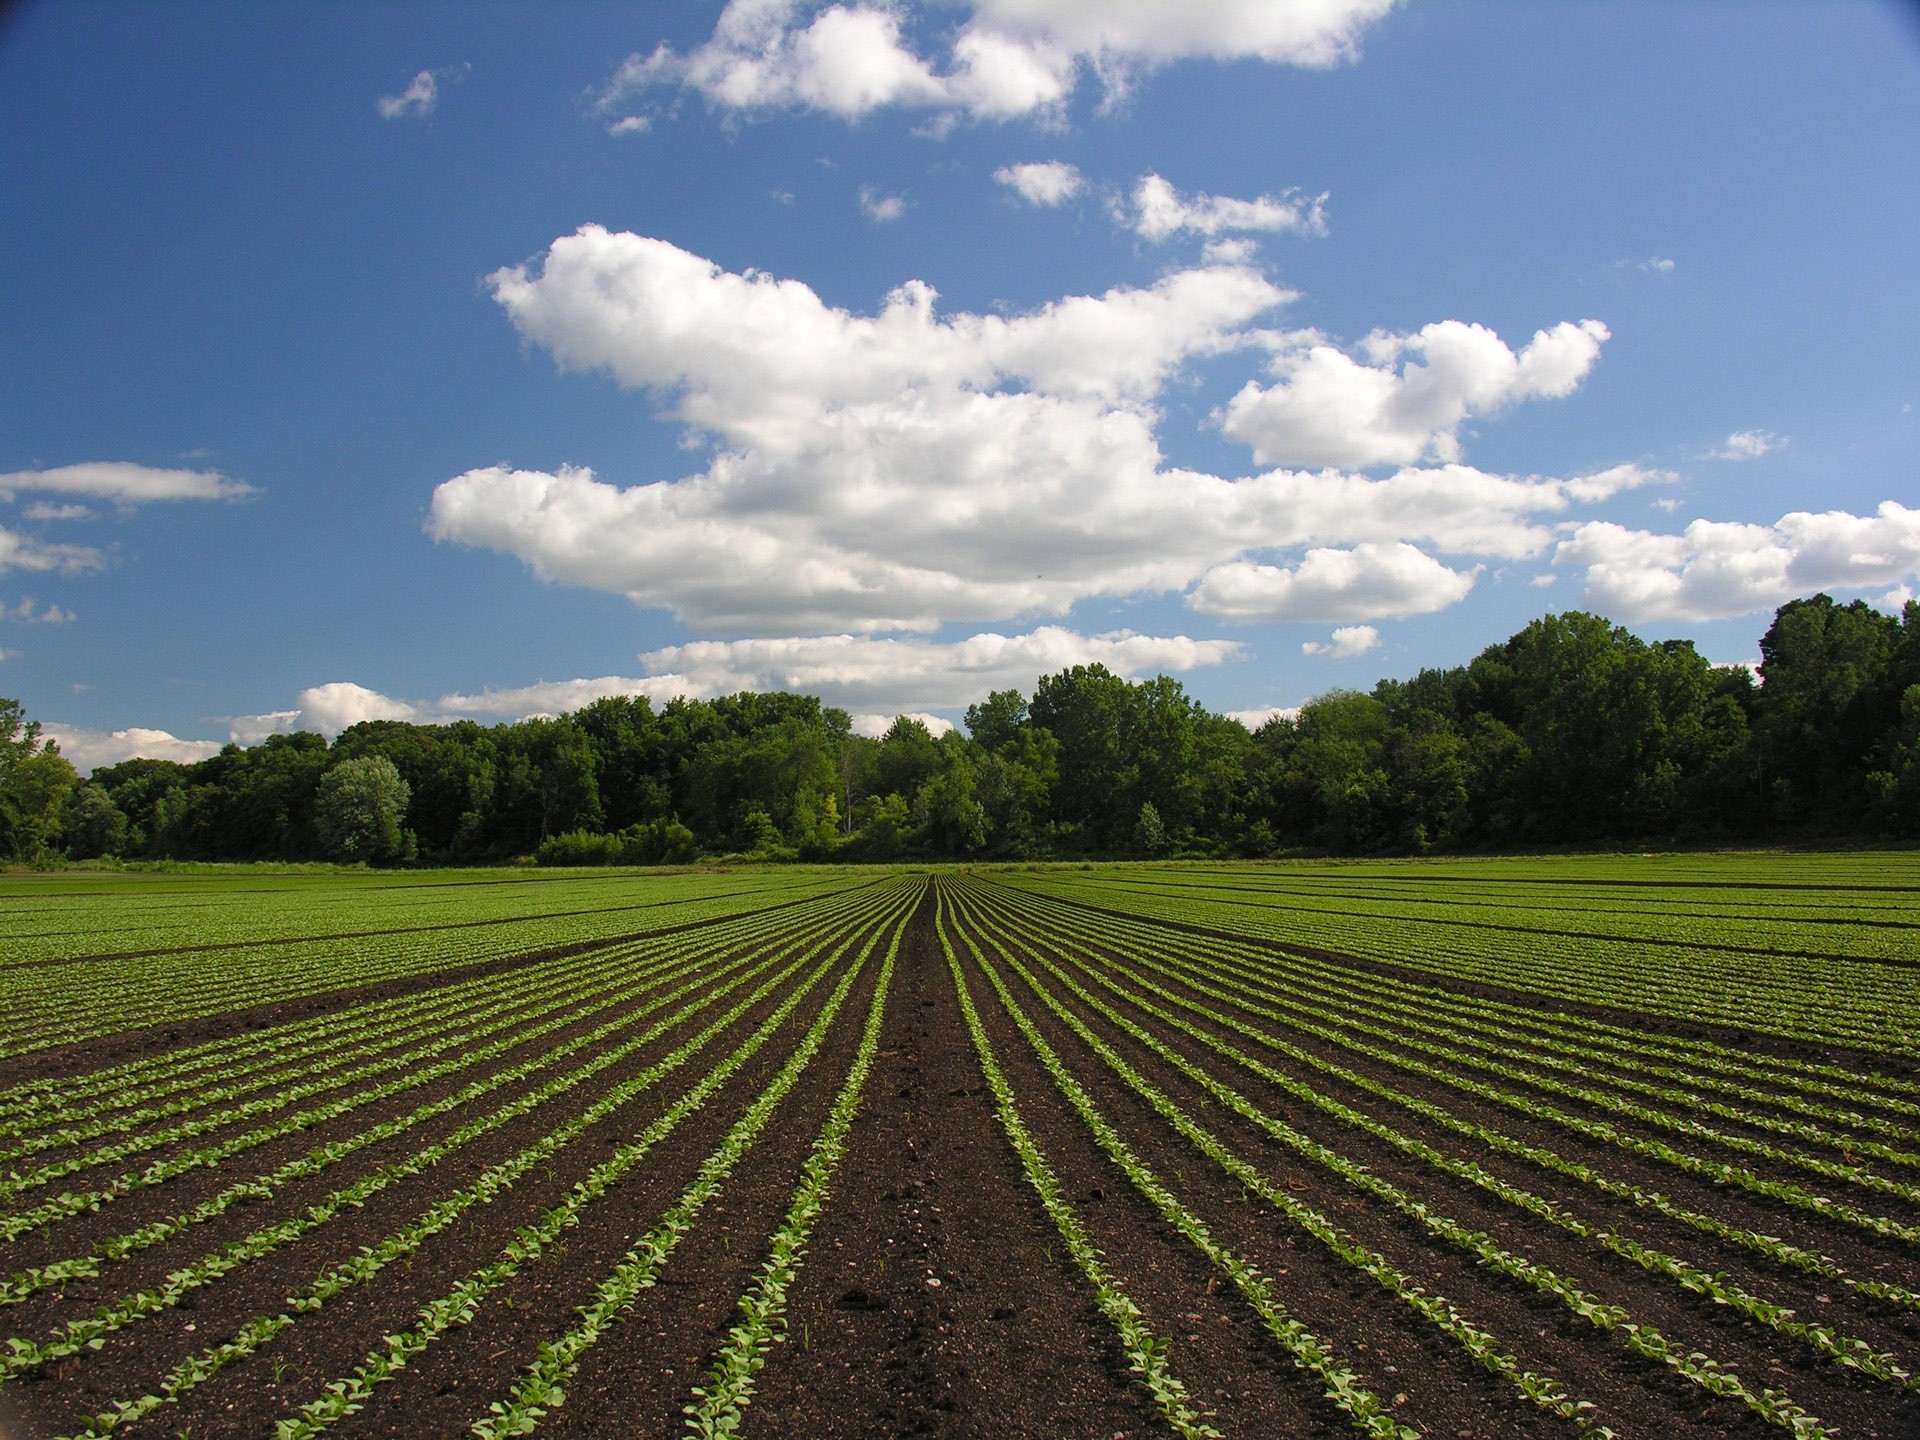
1339, 1383
85, 1001
1343, 1031
1479, 1344
1808, 1001
1419, 1024
89, 1333
1611, 1046
264, 1055
1145, 1352
324, 1068
1824, 1341
75, 1202
719, 1407
1771, 1247
329, 1062
400, 1244
1810, 1077
1775, 1406
1566, 1061
675, 978
541, 1388
1617, 1047
1743, 927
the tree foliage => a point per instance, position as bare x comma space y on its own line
1572, 731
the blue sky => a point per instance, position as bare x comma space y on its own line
424, 361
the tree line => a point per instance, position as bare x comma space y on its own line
1572, 732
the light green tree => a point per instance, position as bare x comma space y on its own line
359, 809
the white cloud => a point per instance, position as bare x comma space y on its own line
6, 654
1007, 59
44, 510
880, 207
27, 612
907, 469
1364, 582
874, 726
87, 750
868, 674
124, 483
1254, 719
1160, 212
630, 125
419, 98
1330, 409
23, 552
1717, 570
1747, 445
1347, 642
857, 672
1048, 182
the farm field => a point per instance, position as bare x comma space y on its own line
1580, 1145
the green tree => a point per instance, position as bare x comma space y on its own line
35, 780
359, 810
93, 825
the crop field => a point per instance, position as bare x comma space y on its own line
1588, 1145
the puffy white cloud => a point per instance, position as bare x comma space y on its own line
1364, 582
907, 469
630, 125
880, 207
1747, 445
23, 552
1159, 212
866, 673
1347, 642
124, 483
28, 612
1254, 719
875, 679
328, 709
1046, 182
873, 472
1330, 409
1715, 570
88, 750
419, 98
874, 726
1008, 59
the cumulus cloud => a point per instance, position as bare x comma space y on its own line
88, 750
1347, 642
1366, 581
1747, 445
1158, 212
907, 469
23, 552
1047, 182
28, 612
862, 672
1007, 59
868, 676
874, 726
1406, 401
879, 207
123, 483
1715, 570
1254, 719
